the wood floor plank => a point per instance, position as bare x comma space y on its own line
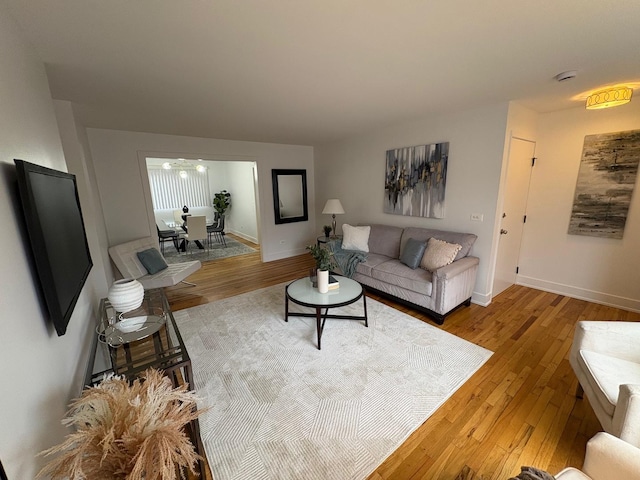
518, 409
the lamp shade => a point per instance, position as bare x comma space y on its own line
126, 295
333, 207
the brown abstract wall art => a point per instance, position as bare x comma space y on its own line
606, 180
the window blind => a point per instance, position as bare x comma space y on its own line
169, 191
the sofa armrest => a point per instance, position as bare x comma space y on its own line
626, 417
617, 339
608, 457
456, 268
454, 283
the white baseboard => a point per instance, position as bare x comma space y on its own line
244, 235
482, 299
270, 257
580, 293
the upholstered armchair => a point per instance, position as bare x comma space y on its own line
607, 458
605, 356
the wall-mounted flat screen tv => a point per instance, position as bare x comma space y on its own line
57, 236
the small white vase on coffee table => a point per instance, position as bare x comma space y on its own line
323, 281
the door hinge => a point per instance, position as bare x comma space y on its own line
524, 220
533, 161
517, 269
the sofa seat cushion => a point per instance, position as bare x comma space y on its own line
372, 261
606, 374
397, 273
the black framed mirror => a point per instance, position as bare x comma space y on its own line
289, 195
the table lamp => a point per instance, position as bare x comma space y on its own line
333, 207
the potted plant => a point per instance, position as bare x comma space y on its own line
221, 201
324, 262
127, 430
327, 230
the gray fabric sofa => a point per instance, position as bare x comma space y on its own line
436, 293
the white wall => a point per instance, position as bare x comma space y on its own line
353, 171
124, 188
41, 371
242, 219
598, 269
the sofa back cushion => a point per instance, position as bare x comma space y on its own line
385, 240
465, 240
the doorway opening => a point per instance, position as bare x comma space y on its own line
184, 187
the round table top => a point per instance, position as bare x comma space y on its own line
303, 292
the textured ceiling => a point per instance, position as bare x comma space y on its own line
310, 71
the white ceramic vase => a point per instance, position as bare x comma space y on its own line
126, 295
323, 281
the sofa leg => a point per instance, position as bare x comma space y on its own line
467, 302
579, 391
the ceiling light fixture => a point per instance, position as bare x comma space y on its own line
609, 97
183, 166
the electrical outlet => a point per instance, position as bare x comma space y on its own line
477, 217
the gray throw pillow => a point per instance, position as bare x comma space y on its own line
412, 253
152, 260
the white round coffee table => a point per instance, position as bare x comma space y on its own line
302, 292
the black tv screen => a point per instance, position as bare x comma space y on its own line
57, 236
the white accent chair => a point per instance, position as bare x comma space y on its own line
125, 258
607, 458
605, 356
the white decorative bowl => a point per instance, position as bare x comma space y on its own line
132, 324
126, 294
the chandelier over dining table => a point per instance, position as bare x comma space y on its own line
184, 165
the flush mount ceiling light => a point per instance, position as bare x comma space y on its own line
609, 97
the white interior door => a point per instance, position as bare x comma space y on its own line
521, 153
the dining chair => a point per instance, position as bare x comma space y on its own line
196, 230
166, 234
177, 218
217, 229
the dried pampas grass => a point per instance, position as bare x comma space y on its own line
127, 431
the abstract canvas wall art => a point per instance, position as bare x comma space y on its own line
606, 180
415, 180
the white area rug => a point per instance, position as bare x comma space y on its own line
282, 409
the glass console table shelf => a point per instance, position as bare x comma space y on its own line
147, 338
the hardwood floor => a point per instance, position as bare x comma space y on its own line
518, 409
